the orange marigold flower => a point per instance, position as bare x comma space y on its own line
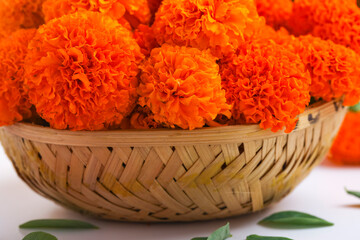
143, 118
220, 25
345, 149
335, 20
266, 84
14, 104
334, 69
276, 12
81, 71
182, 87
144, 36
16, 14
133, 11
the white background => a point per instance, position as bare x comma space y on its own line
321, 194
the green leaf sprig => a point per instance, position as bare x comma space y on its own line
58, 224
53, 224
39, 236
220, 234
294, 219
354, 193
257, 237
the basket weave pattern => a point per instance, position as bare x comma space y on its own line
167, 175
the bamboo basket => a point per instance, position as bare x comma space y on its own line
171, 175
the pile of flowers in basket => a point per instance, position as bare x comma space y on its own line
125, 64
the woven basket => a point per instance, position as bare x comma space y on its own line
171, 175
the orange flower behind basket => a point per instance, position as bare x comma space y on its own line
276, 12
14, 104
345, 149
182, 87
220, 25
82, 71
125, 11
16, 14
266, 84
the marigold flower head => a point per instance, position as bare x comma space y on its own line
345, 149
276, 12
182, 87
125, 11
266, 84
14, 104
335, 20
220, 25
334, 69
81, 71
144, 36
16, 14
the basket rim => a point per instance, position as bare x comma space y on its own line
170, 137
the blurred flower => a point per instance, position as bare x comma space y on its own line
81, 72
220, 25
14, 104
345, 148
182, 87
266, 84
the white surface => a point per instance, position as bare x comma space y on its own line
321, 194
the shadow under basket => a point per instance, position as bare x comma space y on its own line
171, 175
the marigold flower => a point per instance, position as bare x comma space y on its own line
134, 11
14, 104
345, 149
182, 87
276, 12
144, 36
335, 20
143, 118
16, 14
220, 25
334, 69
266, 84
81, 71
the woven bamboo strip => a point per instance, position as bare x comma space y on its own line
171, 175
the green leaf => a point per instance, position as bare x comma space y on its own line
293, 219
355, 108
220, 234
356, 194
39, 236
257, 237
58, 223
